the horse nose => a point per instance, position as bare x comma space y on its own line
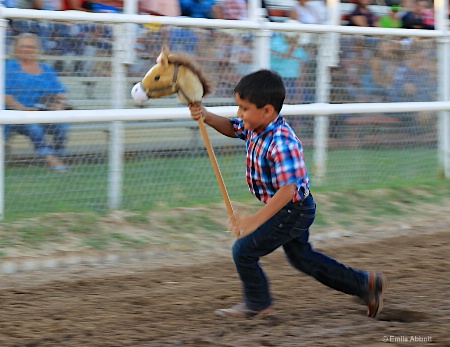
138, 93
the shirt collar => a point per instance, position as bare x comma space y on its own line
272, 125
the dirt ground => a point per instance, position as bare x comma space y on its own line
169, 300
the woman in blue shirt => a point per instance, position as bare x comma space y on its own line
27, 83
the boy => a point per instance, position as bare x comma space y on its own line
277, 175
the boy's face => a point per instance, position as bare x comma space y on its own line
254, 118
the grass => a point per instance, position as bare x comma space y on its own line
98, 241
38, 234
133, 242
161, 183
175, 200
137, 219
193, 228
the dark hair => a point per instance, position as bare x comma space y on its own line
261, 88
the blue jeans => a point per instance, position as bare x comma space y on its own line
37, 132
290, 228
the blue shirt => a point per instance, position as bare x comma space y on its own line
286, 68
28, 89
422, 80
197, 9
274, 159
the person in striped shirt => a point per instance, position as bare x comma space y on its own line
278, 177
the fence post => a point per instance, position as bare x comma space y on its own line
254, 7
321, 122
130, 7
116, 135
261, 53
327, 56
3, 25
441, 10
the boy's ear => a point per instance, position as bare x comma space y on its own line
269, 110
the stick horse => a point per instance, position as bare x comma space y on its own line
179, 74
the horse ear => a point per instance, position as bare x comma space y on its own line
163, 58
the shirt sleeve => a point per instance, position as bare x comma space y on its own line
238, 127
289, 164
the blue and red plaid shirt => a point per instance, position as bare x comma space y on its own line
274, 159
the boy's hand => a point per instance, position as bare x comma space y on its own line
244, 225
197, 111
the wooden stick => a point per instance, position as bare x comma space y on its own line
213, 159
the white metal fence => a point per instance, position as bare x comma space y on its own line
355, 129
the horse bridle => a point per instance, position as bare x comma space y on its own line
174, 87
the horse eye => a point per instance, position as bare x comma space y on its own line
157, 77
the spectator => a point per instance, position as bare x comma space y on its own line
232, 10
288, 60
320, 6
354, 65
378, 81
405, 6
305, 13
414, 81
428, 15
391, 20
244, 54
169, 8
415, 19
224, 61
197, 8
362, 16
27, 82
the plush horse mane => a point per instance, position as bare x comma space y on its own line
188, 61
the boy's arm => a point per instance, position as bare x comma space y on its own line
248, 224
221, 124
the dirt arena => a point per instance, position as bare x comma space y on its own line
170, 302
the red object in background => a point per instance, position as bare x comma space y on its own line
276, 12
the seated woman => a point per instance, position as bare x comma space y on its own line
362, 16
29, 84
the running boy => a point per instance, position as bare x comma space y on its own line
277, 175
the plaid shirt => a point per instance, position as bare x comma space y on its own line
274, 159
